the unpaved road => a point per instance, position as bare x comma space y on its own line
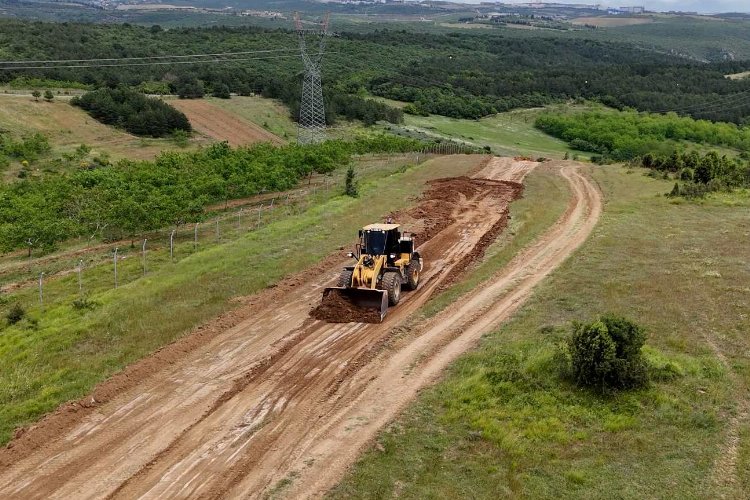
281, 396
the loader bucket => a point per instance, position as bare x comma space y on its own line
369, 306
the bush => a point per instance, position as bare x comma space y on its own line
606, 354
15, 314
351, 183
84, 303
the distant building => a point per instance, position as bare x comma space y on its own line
632, 10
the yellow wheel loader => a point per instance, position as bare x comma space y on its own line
386, 263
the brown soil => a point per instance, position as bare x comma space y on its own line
267, 392
436, 209
336, 308
216, 123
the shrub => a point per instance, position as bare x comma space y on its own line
351, 183
84, 303
606, 354
15, 314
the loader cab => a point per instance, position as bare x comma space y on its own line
380, 239
385, 239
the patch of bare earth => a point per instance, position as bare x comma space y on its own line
216, 123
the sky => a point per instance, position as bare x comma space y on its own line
706, 6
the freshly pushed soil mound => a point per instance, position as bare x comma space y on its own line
336, 308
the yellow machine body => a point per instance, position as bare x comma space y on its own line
384, 262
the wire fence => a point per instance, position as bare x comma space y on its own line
76, 274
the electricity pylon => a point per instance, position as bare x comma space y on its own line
312, 114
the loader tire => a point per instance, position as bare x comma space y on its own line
345, 279
392, 285
412, 275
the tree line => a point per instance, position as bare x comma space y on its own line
129, 197
625, 135
456, 74
133, 111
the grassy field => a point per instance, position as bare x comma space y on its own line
511, 133
502, 423
268, 113
67, 127
59, 353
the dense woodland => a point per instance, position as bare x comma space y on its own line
455, 74
130, 197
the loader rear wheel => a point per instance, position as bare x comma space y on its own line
412, 275
345, 280
392, 285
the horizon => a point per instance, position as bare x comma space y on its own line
716, 7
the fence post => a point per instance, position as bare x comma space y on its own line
171, 245
217, 231
195, 237
41, 293
144, 255
260, 209
80, 269
116, 249
239, 220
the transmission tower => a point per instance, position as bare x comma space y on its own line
312, 114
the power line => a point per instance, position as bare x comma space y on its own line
723, 101
152, 63
180, 56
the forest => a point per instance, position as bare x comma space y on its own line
465, 75
129, 197
133, 111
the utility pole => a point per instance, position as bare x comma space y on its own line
312, 115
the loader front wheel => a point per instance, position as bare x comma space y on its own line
392, 285
412, 275
345, 280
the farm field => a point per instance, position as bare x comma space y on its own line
612, 22
502, 424
270, 114
220, 124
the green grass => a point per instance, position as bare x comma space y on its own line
502, 423
511, 133
268, 113
60, 353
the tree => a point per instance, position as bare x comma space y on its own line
221, 91
350, 188
48, 95
36, 94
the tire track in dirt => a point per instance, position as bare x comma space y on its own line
210, 425
114, 445
419, 358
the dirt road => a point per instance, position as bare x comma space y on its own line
221, 125
282, 399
